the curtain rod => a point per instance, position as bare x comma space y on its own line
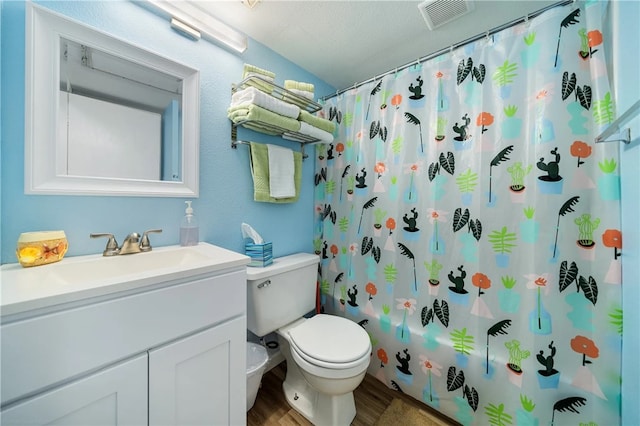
454, 46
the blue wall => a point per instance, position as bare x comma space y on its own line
226, 189
625, 65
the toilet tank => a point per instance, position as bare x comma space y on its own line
281, 292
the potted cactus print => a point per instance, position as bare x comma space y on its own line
417, 99
458, 294
379, 216
514, 366
548, 377
352, 305
552, 182
609, 183
402, 371
433, 268
517, 187
441, 124
586, 226
464, 139
529, 229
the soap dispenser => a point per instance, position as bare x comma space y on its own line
189, 231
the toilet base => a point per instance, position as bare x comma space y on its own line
320, 409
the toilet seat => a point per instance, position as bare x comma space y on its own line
349, 346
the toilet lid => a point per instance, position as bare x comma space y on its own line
330, 339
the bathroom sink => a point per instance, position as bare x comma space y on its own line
80, 277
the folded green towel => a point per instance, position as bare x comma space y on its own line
260, 174
261, 117
292, 84
252, 69
320, 123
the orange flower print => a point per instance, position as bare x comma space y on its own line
371, 289
379, 168
382, 356
396, 100
540, 281
613, 238
481, 281
594, 39
484, 119
580, 150
585, 346
390, 224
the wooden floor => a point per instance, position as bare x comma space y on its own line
372, 398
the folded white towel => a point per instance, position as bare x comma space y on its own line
281, 171
303, 93
251, 95
311, 131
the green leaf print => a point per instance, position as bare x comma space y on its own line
467, 181
603, 111
462, 342
497, 415
502, 240
505, 73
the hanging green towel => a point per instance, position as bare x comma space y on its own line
260, 174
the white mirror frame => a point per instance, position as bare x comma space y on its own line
43, 31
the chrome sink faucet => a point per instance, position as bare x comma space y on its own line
132, 243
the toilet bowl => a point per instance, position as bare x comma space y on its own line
327, 356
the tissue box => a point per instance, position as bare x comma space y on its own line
260, 254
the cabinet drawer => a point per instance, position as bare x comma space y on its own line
46, 350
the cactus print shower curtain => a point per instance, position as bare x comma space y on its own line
467, 220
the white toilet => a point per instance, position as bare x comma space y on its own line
327, 356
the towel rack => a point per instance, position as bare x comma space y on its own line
235, 142
282, 94
624, 135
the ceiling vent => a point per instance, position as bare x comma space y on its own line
436, 13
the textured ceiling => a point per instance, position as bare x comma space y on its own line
347, 42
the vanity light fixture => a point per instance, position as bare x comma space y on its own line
197, 20
184, 29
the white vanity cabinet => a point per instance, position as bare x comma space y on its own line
114, 396
168, 353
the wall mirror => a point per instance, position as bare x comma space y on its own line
105, 117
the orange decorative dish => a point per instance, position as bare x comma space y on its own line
40, 248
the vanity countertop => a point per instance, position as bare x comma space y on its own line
74, 279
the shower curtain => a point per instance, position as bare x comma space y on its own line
467, 220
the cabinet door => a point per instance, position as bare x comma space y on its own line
201, 379
114, 396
